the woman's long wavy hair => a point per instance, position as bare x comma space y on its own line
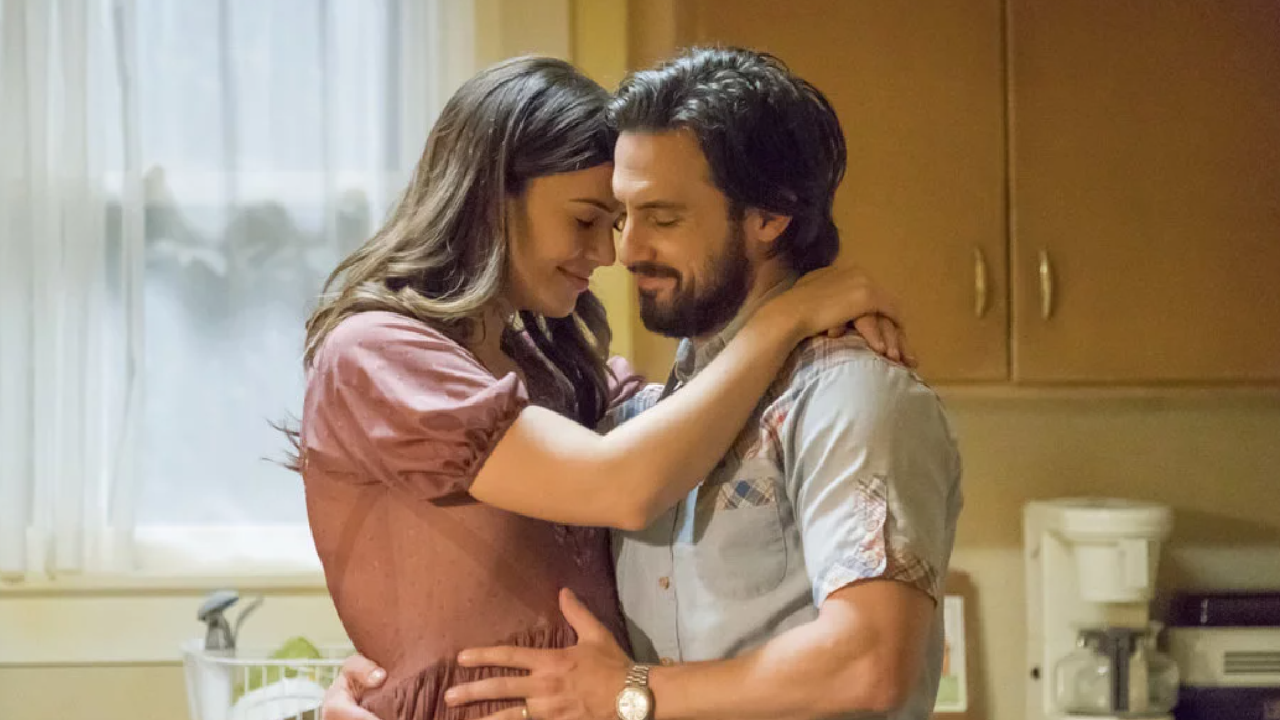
442, 256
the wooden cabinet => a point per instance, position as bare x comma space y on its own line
1062, 192
921, 98
1145, 146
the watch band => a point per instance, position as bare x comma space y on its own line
638, 676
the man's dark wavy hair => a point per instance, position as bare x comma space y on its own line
773, 141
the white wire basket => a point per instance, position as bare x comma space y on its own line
250, 685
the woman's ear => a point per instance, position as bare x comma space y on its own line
515, 217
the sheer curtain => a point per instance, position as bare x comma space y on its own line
179, 176
70, 402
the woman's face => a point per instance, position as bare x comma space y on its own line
558, 232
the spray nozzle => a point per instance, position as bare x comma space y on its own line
220, 635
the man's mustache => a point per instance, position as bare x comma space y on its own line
653, 270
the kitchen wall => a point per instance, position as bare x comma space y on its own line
126, 692
110, 649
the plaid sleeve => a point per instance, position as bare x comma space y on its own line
872, 472
620, 412
873, 551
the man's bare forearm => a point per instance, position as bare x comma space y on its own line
838, 664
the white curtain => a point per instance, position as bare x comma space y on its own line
70, 400
179, 176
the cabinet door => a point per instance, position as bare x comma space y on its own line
919, 90
1145, 190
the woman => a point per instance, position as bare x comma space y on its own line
453, 479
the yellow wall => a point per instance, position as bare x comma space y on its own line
599, 46
117, 692
112, 652
506, 28
599, 39
603, 48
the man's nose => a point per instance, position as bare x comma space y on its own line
631, 245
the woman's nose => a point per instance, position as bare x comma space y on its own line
599, 247
601, 250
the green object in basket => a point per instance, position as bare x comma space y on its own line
295, 648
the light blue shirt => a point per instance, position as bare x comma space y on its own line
847, 471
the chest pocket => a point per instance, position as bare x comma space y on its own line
741, 549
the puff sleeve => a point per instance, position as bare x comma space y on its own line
392, 400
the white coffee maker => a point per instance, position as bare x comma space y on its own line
1091, 567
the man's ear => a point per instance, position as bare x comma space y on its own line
765, 227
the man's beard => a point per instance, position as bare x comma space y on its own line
694, 311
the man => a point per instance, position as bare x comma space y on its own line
803, 578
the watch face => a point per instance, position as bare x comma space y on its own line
633, 704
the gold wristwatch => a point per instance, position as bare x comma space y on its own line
635, 702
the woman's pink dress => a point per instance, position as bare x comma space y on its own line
398, 419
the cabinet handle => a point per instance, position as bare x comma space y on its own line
980, 298
1046, 286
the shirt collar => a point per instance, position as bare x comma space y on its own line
692, 357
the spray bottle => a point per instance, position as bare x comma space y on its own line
219, 642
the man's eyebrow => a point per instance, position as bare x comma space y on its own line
661, 205
606, 207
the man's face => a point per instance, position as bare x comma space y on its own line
688, 256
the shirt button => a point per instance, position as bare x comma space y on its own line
664, 582
667, 661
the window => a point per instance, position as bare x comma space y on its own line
187, 174
269, 146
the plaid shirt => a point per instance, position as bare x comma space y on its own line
846, 471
